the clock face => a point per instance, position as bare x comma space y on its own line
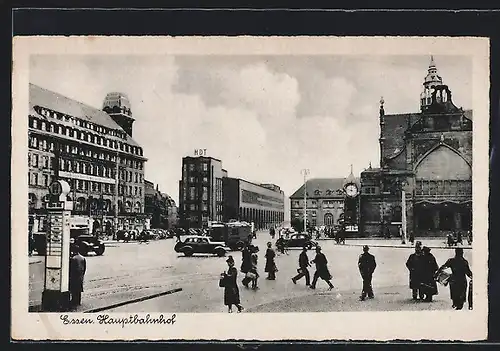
351, 190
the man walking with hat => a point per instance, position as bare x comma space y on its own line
414, 265
458, 282
303, 265
321, 269
366, 265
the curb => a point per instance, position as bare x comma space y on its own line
410, 247
123, 303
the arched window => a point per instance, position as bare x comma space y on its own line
328, 219
128, 206
32, 200
137, 207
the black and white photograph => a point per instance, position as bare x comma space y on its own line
221, 188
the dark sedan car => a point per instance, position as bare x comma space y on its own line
201, 244
301, 240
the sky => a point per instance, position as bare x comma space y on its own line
265, 117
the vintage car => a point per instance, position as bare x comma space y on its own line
89, 243
301, 240
201, 244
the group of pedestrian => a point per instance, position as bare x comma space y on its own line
425, 272
321, 264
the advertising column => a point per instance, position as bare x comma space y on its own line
55, 297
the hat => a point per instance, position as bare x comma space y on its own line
418, 243
318, 248
366, 248
426, 249
305, 248
230, 259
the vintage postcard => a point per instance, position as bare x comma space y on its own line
252, 188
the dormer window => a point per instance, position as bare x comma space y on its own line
317, 192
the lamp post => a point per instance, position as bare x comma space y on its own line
305, 171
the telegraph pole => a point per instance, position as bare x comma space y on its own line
305, 171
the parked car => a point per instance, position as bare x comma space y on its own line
201, 244
89, 243
301, 240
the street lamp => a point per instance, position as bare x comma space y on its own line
305, 171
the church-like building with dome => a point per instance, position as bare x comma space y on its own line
425, 159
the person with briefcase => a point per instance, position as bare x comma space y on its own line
303, 265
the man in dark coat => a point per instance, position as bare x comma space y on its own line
414, 265
303, 265
321, 269
246, 264
429, 269
458, 282
270, 267
366, 265
77, 269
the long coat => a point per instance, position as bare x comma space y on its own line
366, 264
231, 291
414, 265
77, 269
246, 263
270, 264
322, 266
429, 268
458, 281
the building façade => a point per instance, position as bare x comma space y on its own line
160, 206
93, 150
330, 202
426, 158
207, 194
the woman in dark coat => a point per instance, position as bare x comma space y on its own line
429, 268
270, 264
246, 263
231, 291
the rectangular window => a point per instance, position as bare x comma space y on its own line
192, 207
192, 193
135, 190
205, 193
35, 178
191, 167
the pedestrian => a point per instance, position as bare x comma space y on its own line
178, 235
469, 237
459, 238
458, 282
321, 269
77, 269
303, 270
246, 263
366, 265
402, 235
231, 291
270, 268
253, 270
429, 269
281, 244
414, 265
272, 232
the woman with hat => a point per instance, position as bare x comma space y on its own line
231, 291
429, 269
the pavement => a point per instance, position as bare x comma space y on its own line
135, 271
396, 243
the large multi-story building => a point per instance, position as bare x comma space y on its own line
160, 206
425, 159
93, 150
261, 204
206, 194
200, 191
329, 202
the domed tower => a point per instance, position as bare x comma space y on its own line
117, 105
431, 80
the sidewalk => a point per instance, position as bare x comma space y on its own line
396, 243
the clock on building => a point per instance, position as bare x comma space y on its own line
351, 190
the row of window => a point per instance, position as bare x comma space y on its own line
192, 167
40, 143
443, 187
85, 136
314, 204
192, 195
